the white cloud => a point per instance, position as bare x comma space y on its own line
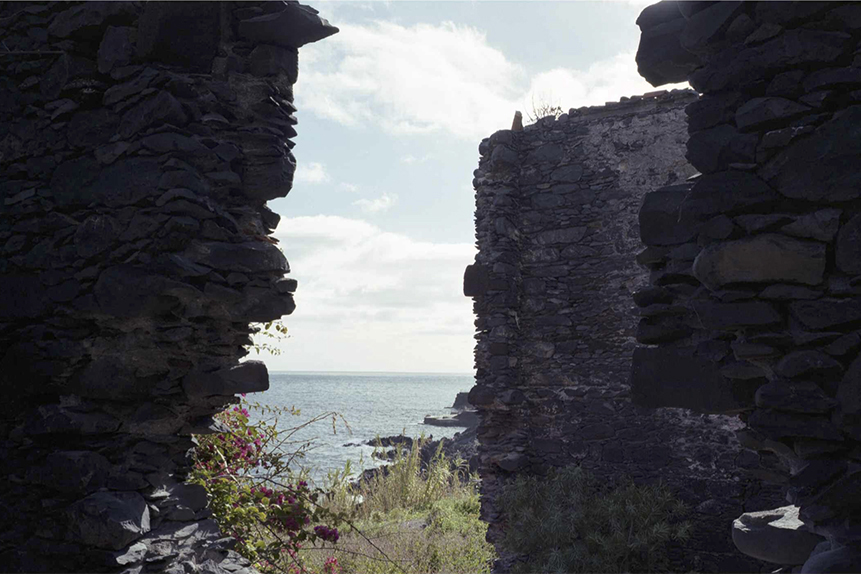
348, 187
442, 78
368, 296
415, 79
378, 205
410, 159
311, 172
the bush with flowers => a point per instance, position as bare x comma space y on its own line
256, 498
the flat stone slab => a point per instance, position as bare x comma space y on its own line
775, 536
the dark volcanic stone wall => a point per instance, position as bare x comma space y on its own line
556, 223
755, 302
139, 143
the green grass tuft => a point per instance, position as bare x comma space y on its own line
569, 522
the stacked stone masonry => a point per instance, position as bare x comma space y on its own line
139, 143
558, 237
754, 303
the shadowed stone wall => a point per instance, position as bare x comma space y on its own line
558, 237
755, 266
139, 143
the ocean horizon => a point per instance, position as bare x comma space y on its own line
373, 403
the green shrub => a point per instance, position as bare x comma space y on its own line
410, 519
254, 495
569, 522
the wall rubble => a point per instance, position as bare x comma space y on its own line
754, 304
139, 143
557, 230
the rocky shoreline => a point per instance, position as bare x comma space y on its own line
462, 445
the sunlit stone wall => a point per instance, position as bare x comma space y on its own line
558, 238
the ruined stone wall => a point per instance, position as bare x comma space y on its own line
755, 303
558, 238
139, 143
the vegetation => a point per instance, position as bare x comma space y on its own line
543, 108
404, 519
255, 497
569, 522
410, 519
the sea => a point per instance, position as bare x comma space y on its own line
352, 409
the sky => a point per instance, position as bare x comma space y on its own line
378, 227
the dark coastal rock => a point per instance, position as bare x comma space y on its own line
707, 25
160, 109
818, 167
778, 425
125, 182
842, 559
826, 313
714, 149
131, 133
660, 217
808, 363
661, 59
247, 377
709, 112
126, 291
89, 19
182, 33
248, 257
794, 48
110, 520
777, 536
821, 225
668, 377
266, 60
720, 316
799, 397
759, 113
475, 280
762, 258
726, 192
848, 248
292, 27
116, 48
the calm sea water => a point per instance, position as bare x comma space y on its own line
372, 404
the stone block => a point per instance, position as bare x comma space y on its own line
659, 217
777, 536
820, 167
180, 33
292, 27
109, 520
762, 258
247, 377
666, 377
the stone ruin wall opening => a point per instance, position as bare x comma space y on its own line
136, 166
756, 264
557, 225
752, 306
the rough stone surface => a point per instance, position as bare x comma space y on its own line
556, 222
776, 536
767, 258
130, 205
776, 135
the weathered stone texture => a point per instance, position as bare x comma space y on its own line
138, 145
556, 222
774, 280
